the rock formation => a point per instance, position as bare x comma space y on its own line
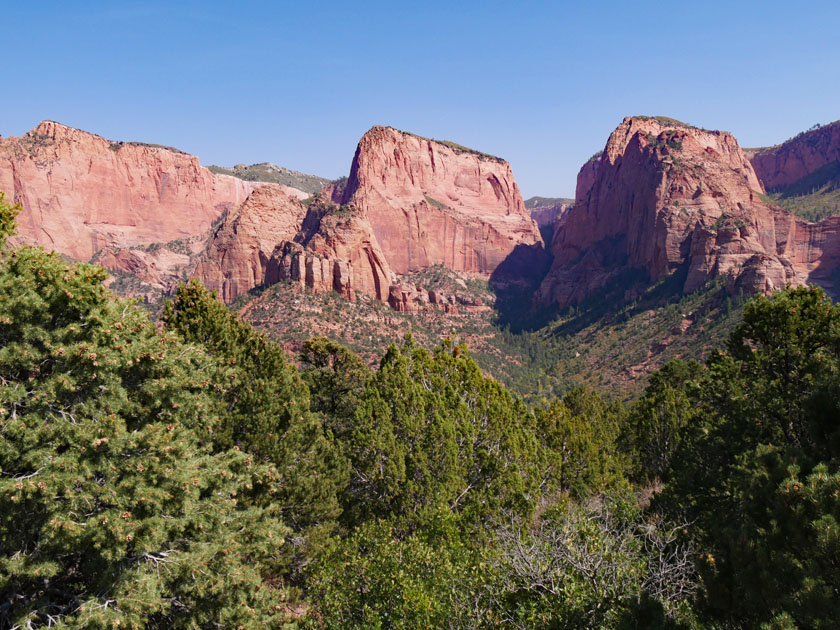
434, 203
81, 193
237, 257
786, 164
664, 196
409, 203
272, 237
545, 211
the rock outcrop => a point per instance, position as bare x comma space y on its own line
545, 211
665, 196
237, 257
409, 203
436, 203
273, 237
813, 152
81, 193
342, 238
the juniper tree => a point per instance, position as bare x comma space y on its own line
113, 511
266, 410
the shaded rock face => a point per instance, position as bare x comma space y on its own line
807, 154
663, 197
81, 193
431, 203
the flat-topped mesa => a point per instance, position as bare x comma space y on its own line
811, 159
664, 195
437, 203
81, 193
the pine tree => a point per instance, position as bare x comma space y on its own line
113, 511
267, 408
432, 431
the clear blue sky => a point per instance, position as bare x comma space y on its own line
541, 84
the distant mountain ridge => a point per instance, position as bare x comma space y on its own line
268, 172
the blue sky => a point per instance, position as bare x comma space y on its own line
541, 84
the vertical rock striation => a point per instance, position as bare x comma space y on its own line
665, 196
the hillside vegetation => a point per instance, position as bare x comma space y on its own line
814, 197
189, 475
268, 172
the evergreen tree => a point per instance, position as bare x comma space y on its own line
758, 468
580, 435
336, 378
266, 410
432, 431
113, 512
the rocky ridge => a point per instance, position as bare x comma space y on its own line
267, 172
664, 196
811, 152
81, 193
386, 220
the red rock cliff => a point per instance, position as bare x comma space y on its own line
665, 195
272, 237
786, 164
433, 203
408, 203
237, 256
81, 193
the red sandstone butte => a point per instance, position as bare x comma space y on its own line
409, 203
237, 257
787, 163
663, 195
436, 203
82, 193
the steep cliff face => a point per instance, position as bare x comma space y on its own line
272, 237
664, 196
813, 152
409, 203
237, 256
434, 203
336, 250
81, 193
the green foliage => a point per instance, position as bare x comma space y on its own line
659, 419
113, 512
377, 579
336, 378
267, 406
435, 203
431, 431
7, 219
757, 466
580, 434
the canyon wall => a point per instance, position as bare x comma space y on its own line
791, 162
81, 193
436, 203
664, 196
